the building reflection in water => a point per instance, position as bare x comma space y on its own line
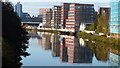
114, 60
74, 51
55, 45
45, 42
69, 48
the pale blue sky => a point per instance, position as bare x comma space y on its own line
32, 6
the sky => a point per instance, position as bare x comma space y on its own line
33, 6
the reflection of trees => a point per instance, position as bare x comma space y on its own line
100, 50
14, 37
101, 45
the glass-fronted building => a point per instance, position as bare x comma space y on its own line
18, 9
115, 18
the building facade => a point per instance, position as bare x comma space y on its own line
46, 19
64, 14
42, 11
115, 18
18, 9
56, 17
80, 14
103, 10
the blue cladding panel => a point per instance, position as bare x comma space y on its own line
115, 16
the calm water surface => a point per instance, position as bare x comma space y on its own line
47, 49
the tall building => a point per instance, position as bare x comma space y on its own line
46, 19
64, 14
80, 14
18, 9
115, 18
103, 10
56, 17
25, 16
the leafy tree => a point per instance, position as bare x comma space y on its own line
14, 37
103, 23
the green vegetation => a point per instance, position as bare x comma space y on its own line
99, 49
51, 31
101, 24
101, 45
14, 39
111, 42
71, 33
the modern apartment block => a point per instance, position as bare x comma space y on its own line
80, 14
56, 17
44, 10
115, 19
46, 19
103, 10
64, 14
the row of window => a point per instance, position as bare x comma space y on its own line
115, 19
117, 27
82, 6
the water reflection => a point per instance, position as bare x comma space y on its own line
114, 60
72, 52
71, 49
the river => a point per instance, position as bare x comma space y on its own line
48, 49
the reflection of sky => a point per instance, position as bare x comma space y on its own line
40, 57
33, 6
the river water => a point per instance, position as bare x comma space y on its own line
48, 49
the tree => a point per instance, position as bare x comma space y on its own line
103, 23
14, 37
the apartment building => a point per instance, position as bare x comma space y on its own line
79, 16
42, 11
64, 14
46, 19
56, 17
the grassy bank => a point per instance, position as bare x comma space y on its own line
51, 31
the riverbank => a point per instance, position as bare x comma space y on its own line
110, 43
95, 42
55, 31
